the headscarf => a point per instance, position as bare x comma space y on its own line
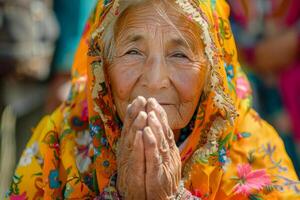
217, 110
102, 113
90, 115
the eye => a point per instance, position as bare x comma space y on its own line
133, 52
180, 55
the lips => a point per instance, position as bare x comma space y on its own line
165, 104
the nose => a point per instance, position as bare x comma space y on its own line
156, 74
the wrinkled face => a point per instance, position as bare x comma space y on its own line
155, 59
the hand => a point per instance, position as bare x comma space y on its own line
162, 158
130, 155
147, 149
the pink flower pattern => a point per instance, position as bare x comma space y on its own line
243, 89
250, 180
19, 197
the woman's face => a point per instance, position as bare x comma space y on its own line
154, 59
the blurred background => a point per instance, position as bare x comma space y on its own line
38, 39
267, 34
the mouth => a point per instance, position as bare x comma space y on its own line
165, 104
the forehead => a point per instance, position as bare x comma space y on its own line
152, 16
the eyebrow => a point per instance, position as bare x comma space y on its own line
135, 38
177, 41
185, 43
131, 38
180, 42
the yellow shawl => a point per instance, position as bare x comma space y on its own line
231, 153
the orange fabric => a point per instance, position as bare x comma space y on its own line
71, 154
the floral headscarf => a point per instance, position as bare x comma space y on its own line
217, 110
77, 143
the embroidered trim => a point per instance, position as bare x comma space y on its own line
223, 102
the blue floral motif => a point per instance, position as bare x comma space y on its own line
291, 184
68, 190
96, 152
229, 72
94, 129
106, 163
106, 2
104, 141
223, 156
268, 151
76, 121
54, 179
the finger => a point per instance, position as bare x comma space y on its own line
138, 124
133, 110
152, 157
153, 105
176, 161
154, 167
137, 160
137, 155
157, 130
156, 172
134, 162
156, 126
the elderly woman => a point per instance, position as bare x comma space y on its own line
159, 109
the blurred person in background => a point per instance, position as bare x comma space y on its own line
71, 16
268, 36
38, 39
28, 31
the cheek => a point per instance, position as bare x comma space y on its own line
123, 80
189, 83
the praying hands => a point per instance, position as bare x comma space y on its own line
149, 165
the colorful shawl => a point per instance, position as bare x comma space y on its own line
230, 152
